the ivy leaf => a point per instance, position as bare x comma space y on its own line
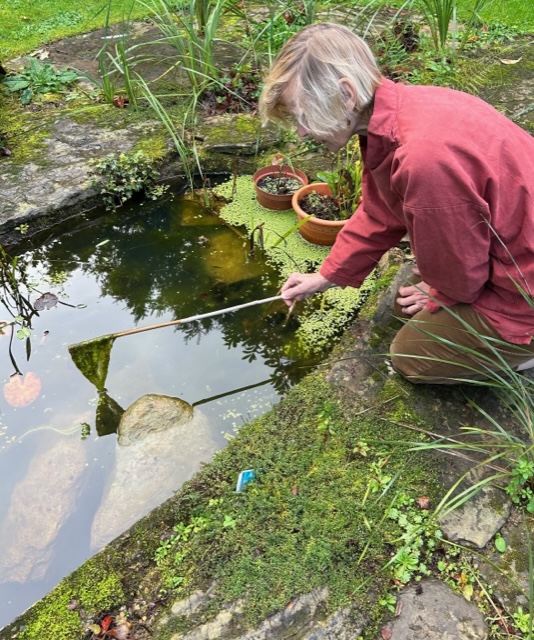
500, 543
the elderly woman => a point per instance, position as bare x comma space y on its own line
440, 165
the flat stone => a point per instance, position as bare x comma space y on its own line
479, 519
240, 134
436, 614
40, 504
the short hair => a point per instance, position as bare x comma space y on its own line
311, 63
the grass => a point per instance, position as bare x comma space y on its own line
26, 25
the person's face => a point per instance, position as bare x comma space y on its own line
333, 141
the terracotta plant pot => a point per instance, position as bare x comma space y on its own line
316, 230
277, 202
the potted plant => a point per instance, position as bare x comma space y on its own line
330, 203
276, 184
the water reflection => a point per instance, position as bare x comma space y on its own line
154, 263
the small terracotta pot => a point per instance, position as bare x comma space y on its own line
275, 201
316, 230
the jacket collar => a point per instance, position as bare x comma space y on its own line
382, 136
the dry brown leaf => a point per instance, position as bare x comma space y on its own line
386, 633
510, 61
21, 391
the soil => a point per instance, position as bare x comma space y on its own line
279, 185
320, 206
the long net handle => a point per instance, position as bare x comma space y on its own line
201, 316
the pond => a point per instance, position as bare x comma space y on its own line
66, 486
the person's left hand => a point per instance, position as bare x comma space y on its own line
414, 297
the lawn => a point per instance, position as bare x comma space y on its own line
26, 24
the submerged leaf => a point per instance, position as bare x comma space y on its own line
21, 391
46, 301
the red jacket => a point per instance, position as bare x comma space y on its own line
458, 176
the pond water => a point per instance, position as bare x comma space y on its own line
60, 466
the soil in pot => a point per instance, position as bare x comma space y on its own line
321, 206
279, 185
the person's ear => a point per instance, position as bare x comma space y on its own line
348, 93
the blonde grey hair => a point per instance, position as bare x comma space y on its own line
310, 66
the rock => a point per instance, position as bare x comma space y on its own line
508, 573
240, 134
163, 451
437, 614
478, 519
303, 618
151, 414
40, 504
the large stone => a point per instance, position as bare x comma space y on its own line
151, 414
478, 519
164, 449
436, 614
40, 504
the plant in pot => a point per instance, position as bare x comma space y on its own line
275, 184
330, 203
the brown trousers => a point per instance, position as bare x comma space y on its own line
438, 348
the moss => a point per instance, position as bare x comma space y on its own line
303, 523
380, 285
24, 132
94, 587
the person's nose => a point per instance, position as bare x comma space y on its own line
302, 131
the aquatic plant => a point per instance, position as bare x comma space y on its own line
320, 319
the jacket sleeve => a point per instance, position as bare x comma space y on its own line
359, 247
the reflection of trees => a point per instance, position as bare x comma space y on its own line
153, 264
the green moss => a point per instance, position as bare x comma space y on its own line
94, 587
304, 523
380, 285
24, 132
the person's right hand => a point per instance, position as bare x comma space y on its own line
303, 285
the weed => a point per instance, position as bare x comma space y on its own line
122, 176
520, 487
37, 78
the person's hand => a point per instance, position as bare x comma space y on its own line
413, 298
303, 285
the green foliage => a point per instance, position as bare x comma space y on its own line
345, 179
419, 538
122, 176
523, 621
302, 523
520, 487
37, 78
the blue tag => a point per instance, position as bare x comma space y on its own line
244, 478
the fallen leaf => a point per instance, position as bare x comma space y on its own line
423, 502
385, 632
21, 391
295, 490
46, 301
509, 61
468, 591
5, 151
106, 623
73, 604
121, 102
94, 628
